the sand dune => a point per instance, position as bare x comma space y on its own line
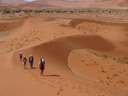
82, 62
56, 54
107, 30
12, 2
75, 22
34, 5
84, 3
124, 3
6, 6
57, 51
63, 3
10, 25
74, 46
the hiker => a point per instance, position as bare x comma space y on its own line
20, 55
31, 60
24, 62
42, 66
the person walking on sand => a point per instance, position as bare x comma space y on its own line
42, 66
20, 55
24, 62
31, 60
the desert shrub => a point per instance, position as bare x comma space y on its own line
7, 11
101, 81
114, 75
120, 81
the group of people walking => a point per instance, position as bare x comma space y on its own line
31, 61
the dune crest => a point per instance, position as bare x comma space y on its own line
57, 51
89, 47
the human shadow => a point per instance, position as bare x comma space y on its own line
52, 75
32, 68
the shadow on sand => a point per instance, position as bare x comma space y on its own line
52, 75
32, 68
43, 75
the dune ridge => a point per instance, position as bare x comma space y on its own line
57, 51
75, 22
56, 54
10, 25
61, 46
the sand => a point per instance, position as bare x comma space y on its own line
83, 57
40, 4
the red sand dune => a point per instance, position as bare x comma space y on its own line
61, 61
34, 5
10, 25
76, 22
12, 2
123, 3
6, 6
56, 54
57, 51
84, 3
65, 3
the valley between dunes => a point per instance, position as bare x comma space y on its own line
83, 57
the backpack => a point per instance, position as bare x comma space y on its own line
20, 55
25, 60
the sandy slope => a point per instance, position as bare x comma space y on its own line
61, 3
12, 2
68, 71
82, 3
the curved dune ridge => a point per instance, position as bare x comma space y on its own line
107, 30
65, 48
82, 62
57, 51
76, 22
56, 54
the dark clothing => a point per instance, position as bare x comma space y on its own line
24, 63
20, 55
42, 64
31, 60
24, 60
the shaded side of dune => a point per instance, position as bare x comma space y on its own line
56, 52
60, 48
75, 22
15, 18
10, 25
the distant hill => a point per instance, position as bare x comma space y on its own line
63, 3
6, 6
34, 5
123, 3
84, 3
12, 2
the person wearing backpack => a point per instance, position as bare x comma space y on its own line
42, 66
24, 62
20, 55
31, 60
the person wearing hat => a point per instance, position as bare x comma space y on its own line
42, 66
20, 55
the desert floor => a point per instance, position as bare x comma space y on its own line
83, 57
